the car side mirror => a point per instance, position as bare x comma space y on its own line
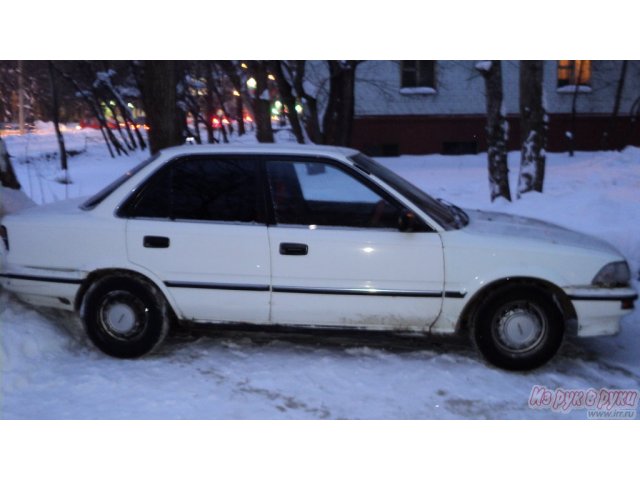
407, 221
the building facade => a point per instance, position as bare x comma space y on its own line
417, 107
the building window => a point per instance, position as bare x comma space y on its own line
418, 76
574, 74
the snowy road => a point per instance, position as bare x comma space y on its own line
49, 370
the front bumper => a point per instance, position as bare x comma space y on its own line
600, 310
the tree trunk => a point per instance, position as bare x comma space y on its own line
230, 70
533, 121
21, 97
574, 103
159, 96
8, 177
261, 102
337, 122
611, 128
210, 107
497, 132
240, 115
225, 115
55, 110
288, 99
310, 104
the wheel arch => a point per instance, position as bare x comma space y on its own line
559, 297
102, 273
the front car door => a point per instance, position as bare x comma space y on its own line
337, 256
198, 224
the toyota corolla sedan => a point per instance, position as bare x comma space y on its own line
307, 237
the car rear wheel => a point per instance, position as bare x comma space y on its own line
518, 328
125, 317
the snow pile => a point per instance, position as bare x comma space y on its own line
484, 65
31, 341
13, 200
49, 369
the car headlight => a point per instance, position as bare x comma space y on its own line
615, 274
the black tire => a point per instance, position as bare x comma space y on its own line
518, 328
125, 317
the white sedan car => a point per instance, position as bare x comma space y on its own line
309, 237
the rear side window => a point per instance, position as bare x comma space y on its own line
201, 188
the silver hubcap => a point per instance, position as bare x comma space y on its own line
122, 315
520, 328
120, 318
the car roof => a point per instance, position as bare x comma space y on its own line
267, 148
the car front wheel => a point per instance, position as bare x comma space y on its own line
125, 317
518, 328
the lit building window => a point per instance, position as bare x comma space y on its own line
574, 72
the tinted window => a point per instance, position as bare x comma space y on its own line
312, 193
201, 188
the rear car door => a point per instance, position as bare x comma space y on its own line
337, 256
198, 224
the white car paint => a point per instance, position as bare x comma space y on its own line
207, 253
344, 259
372, 279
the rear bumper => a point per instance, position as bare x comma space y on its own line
599, 311
47, 291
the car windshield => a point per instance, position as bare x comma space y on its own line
96, 199
449, 216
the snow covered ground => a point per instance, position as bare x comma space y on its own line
49, 369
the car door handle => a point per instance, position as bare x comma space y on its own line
293, 249
155, 242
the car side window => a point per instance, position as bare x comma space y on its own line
322, 194
201, 188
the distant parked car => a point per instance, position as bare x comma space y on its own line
308, 237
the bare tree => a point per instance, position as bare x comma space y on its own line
234, 74
261, 101
191, 88
327, 95
91, 98
55, 109
533, 127
310, 116
574, 105
337, 122
216, 89
104, 80
497, 130
158, 88
285, 87
611, 127
210, 108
